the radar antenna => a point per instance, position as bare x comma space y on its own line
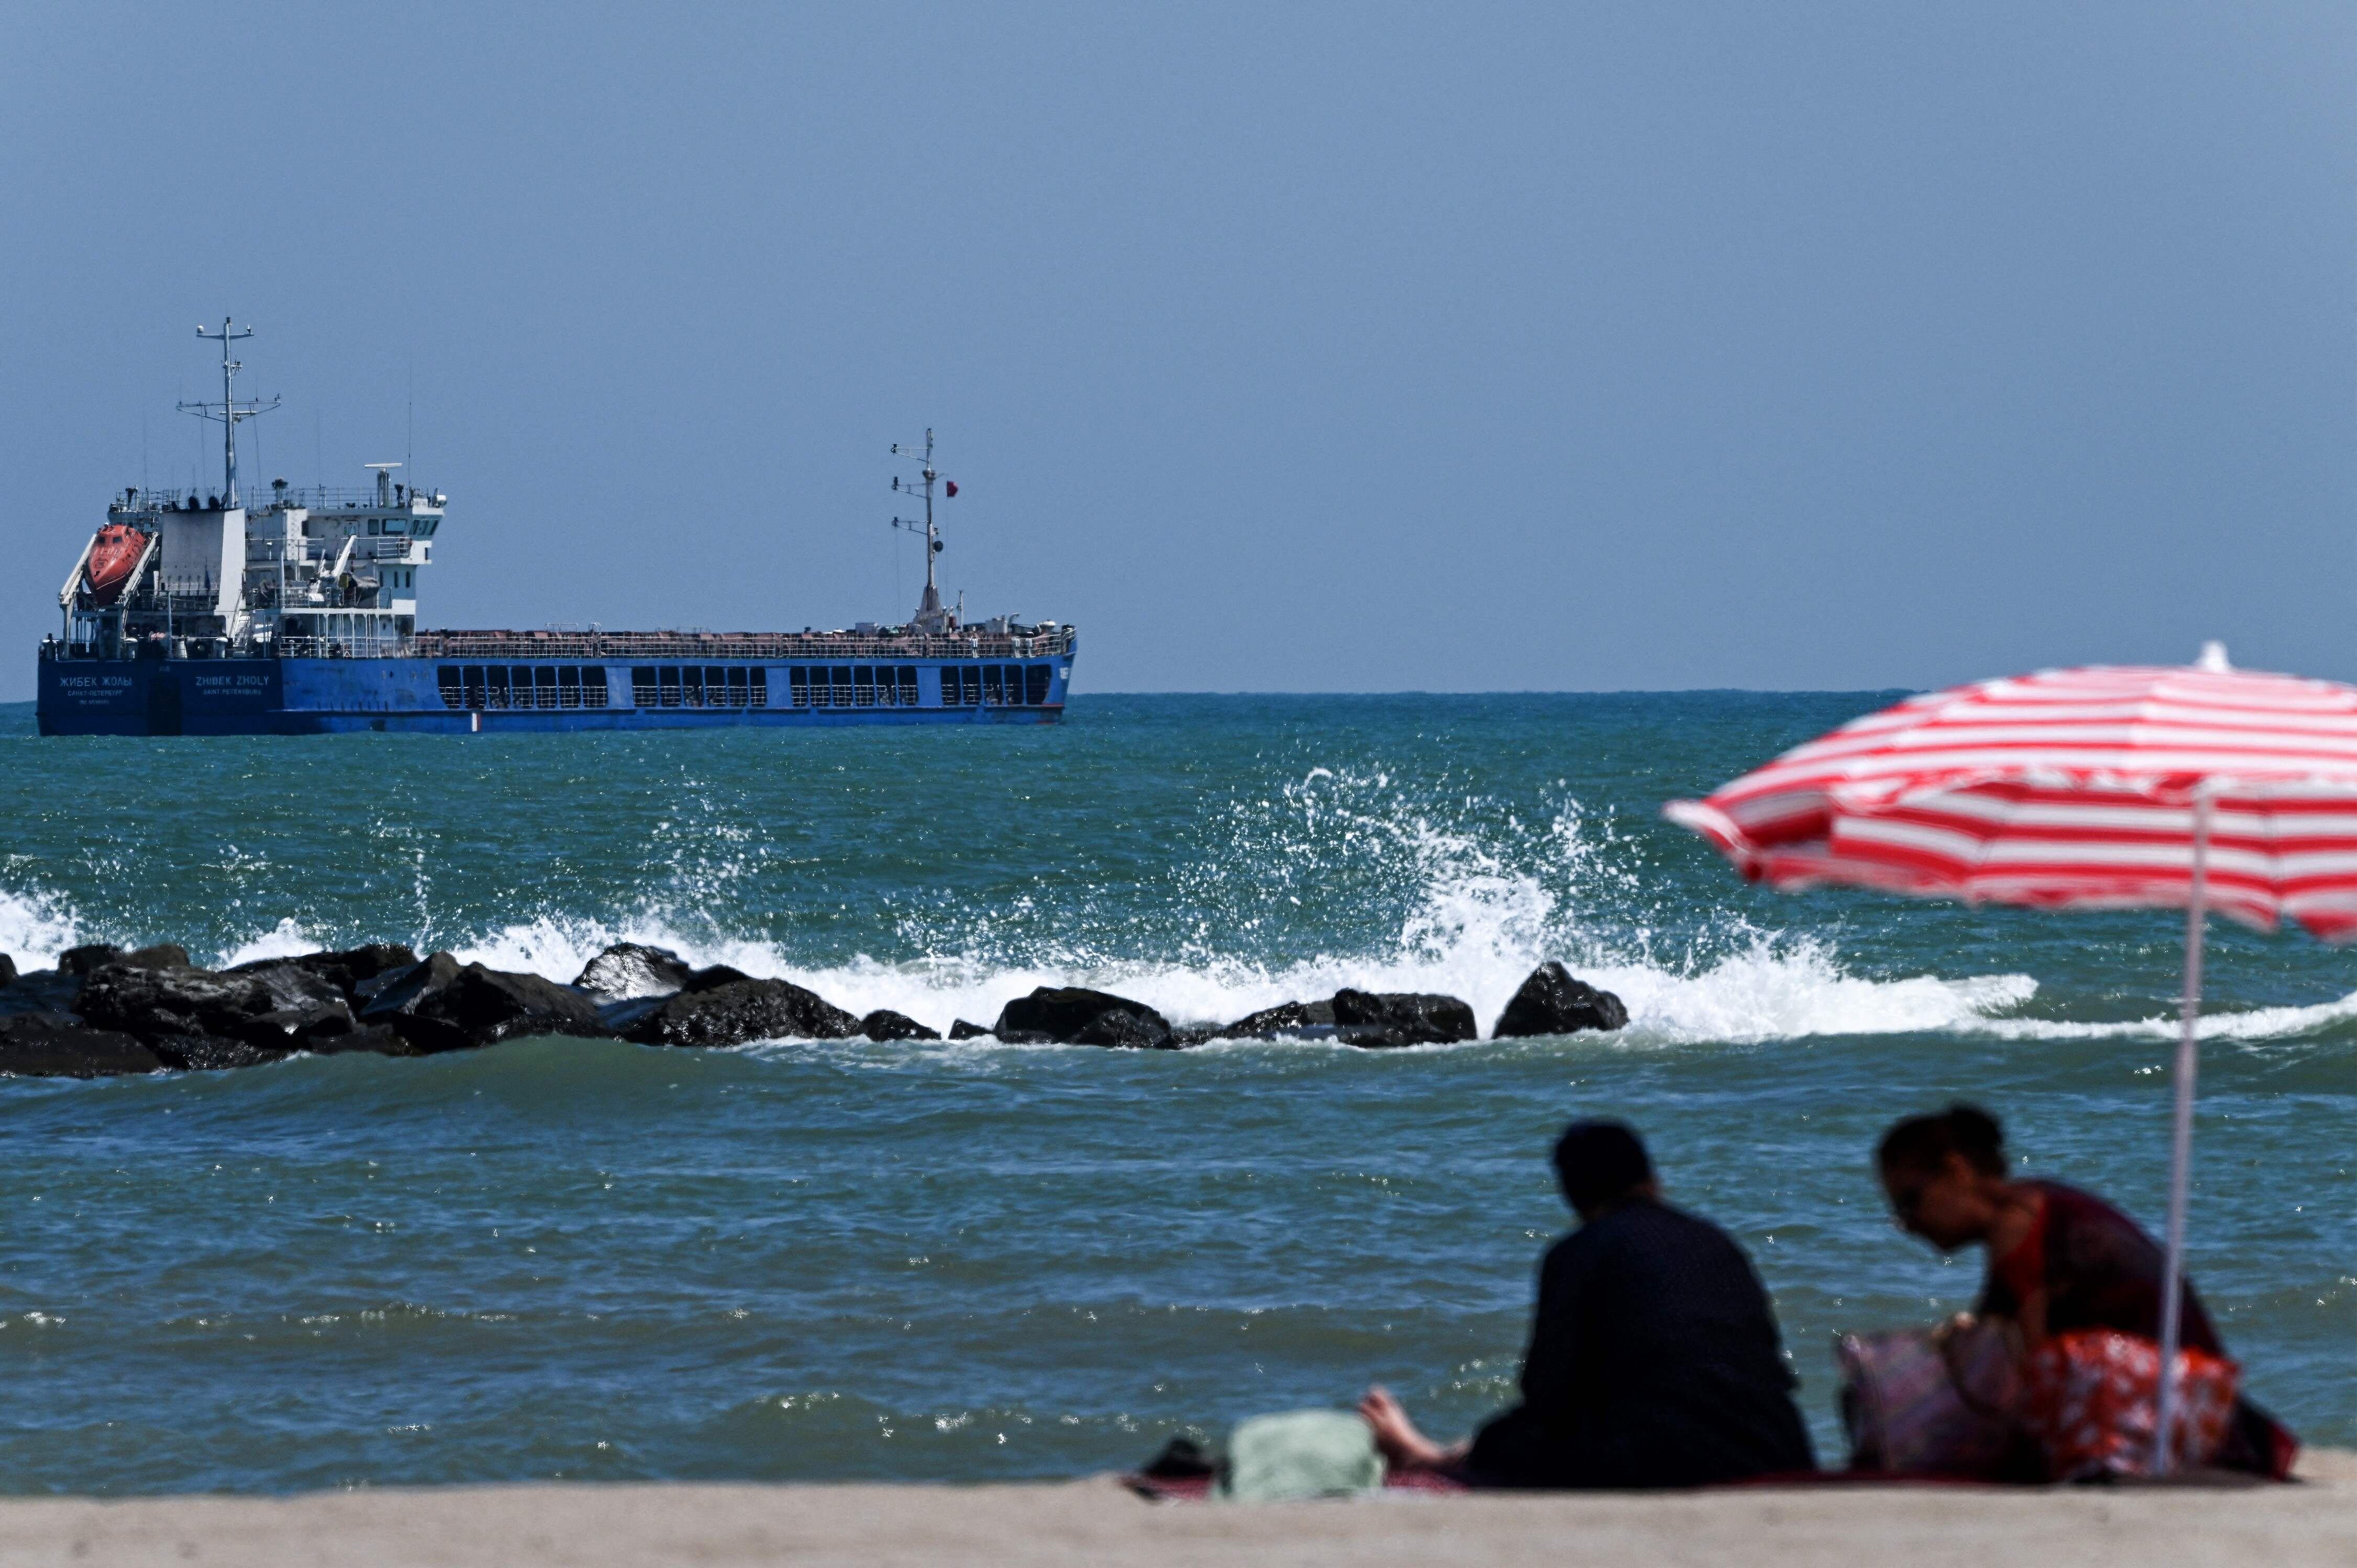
229, 411
930, 617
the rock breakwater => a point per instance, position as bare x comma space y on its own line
106, 1011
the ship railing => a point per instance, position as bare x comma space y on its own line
317, 498
344, 647
624, 645
525, 647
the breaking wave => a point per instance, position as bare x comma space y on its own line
1473, 899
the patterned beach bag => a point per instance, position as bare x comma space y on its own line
2093, 1397
1938, 1401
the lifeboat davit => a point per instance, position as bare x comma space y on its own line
113, 556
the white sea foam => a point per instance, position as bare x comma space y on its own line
34, 928
2252, 1024
1471, 917
284, 939
1772, 989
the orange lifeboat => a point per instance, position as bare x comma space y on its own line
113, 556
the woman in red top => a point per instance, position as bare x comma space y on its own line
2060, 1259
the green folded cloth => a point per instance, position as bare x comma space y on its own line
1300, 1454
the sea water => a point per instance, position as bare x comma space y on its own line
591, 1259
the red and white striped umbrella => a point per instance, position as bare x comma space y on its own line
2071, 788
2107, 787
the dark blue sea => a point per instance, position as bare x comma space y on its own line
590, 1260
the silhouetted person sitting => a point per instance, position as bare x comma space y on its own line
1653, 1361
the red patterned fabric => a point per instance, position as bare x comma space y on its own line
2070, 788
2091, 1404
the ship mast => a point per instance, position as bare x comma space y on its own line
929, 616
229, 411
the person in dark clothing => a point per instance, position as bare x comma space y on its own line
2059, 1259
1653, 1359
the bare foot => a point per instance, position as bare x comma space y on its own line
1397, 1438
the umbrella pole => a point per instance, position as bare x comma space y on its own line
2180, 1144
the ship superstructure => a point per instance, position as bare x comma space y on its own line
220, 612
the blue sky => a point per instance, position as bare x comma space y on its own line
1281, 347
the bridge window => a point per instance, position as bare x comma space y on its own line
1035, 685
445, 678
642, 686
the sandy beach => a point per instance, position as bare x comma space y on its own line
1097, 1521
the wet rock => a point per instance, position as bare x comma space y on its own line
618, 1018
7, 971
629, 970
719, 1006
439, 1004
1551, 1002
51, 1045
1284, 1018
40, 991
1378, 1019
1073, 1016
198, 1016
347, 971
372, 1039
160, 955
886, 1024
962, 1030
88, 957
212, 1053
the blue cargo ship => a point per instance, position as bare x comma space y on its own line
196, 613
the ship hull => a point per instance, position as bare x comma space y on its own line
451, 696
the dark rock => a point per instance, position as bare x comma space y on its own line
88, 957
620, 1017
713, 978
886, 1024
211, 1053
1284, 1018
631, 969
347, 971
739, 1011
7, 971
50, 1044
378, 1039
161, 955
1071, 1015
177, 1010
1187, 1036
1551, 1002
440, 1005
962, 1030
40, 991
1400, 1018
